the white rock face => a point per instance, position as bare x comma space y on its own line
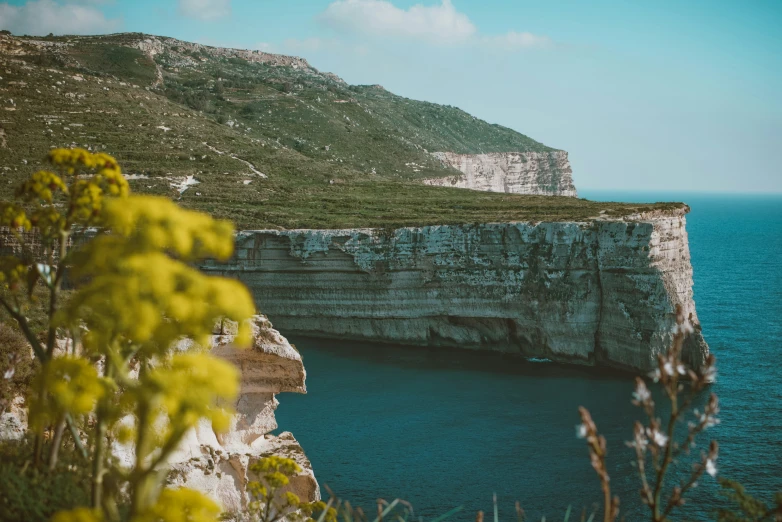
543, 173
217, 465
13, 422
598, 293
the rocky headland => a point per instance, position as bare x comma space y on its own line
541, 173
600, 292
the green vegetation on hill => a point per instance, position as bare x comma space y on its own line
333, 155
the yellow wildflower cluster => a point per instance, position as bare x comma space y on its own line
73, 385
174, 505
152, 300
73, 160
13, 216
275, 464
180, 505
86, 201
270, 504
86, 195
11, 270
152, 223
138, 291
41, 186
188, 388
78, 515
137, 294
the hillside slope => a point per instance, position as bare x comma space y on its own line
270, 141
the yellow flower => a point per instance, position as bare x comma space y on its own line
292, 499
137, 295
73, 387
11, 270
181, 505
41, 185
78, 515
13, 216
189, 387
275, 463
157, 223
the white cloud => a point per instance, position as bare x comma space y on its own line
513, 41
40, 17
441, 24
205, 9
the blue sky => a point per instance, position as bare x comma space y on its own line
658, 95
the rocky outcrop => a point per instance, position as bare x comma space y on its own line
13, 420
543, 173
215, 464
599, 293
154, 45
218, 464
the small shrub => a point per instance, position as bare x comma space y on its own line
30, 494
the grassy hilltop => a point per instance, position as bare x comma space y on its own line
333, 155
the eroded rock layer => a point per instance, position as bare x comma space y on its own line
218, 464
542, 173
598, 293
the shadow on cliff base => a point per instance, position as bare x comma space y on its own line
444, 359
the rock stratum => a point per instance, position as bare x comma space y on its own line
539, 173
218, 464
600, 292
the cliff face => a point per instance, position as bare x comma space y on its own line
598, 293
218, 464
543, 173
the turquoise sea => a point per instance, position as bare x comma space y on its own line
443, 428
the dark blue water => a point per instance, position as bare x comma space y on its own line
448, 428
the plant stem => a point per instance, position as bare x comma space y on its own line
99, 456
55, 450
54, 292
25, 327
667, 457
75, 434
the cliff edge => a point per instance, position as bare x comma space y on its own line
538, 173
599, 292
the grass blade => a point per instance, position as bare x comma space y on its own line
387, 510
448, 514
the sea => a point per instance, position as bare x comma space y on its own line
444, 429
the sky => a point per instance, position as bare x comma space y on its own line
646, 95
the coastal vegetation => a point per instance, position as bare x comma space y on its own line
107, 370
219, 136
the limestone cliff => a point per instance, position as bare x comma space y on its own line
543, 173
599, 293
218, 464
